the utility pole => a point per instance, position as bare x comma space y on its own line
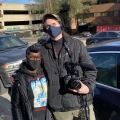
47, 6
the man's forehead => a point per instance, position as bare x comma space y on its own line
51, 22
50, 16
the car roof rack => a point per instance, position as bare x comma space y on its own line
3, 33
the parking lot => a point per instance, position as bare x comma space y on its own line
5, 107
34, 40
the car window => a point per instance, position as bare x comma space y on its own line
102, 34
9, 42
106, 65
45, 36
112, 34
118, 34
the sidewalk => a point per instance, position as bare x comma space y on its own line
5, 107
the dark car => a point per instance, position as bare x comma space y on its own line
43, 38
12, 52
106, 57
102, 36
85, 34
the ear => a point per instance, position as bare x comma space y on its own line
44, 29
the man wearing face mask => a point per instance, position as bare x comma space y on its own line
29, 91
60, 49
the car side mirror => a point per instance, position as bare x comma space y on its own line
26, 43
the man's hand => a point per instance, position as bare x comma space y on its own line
83, 90
12, 78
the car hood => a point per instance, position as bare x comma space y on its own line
12, 55
112, 42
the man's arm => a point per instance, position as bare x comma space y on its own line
88, 84
89, 75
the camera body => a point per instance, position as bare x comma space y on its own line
72, 80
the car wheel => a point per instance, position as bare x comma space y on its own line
2, 88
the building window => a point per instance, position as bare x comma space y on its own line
15, 12
103, 13
116, 13
12, 23
97, 14
111, 13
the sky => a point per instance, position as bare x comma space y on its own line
16, 1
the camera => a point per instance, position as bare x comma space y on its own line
72, 80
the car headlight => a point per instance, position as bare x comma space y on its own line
11, 66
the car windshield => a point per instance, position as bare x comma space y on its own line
8, 42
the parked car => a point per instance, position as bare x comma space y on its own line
43, 38
102, 36
106, 57
12, 52
85, 34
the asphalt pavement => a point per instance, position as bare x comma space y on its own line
5, 105
34, 40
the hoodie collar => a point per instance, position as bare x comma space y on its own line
24, 69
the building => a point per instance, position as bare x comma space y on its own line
18, 19
102, 13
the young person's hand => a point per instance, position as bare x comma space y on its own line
83, 90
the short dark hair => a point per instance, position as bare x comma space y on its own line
33, 48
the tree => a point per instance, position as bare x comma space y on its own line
36, 11
78, 9
68, 9
55, 6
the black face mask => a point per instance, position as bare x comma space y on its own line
34, 64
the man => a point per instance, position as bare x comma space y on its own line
65, 102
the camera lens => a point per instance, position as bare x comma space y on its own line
75, 84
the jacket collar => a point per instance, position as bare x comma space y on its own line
65, 37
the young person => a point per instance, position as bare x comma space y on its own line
60, 49
29, 90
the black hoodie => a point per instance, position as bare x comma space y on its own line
36, 87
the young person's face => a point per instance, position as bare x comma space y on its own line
34, 56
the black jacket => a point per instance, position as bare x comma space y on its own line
59, 99
22, 96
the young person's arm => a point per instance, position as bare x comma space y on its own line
15, 105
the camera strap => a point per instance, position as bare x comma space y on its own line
70, 53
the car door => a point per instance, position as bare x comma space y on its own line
113, 35
102, 36
107, 93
